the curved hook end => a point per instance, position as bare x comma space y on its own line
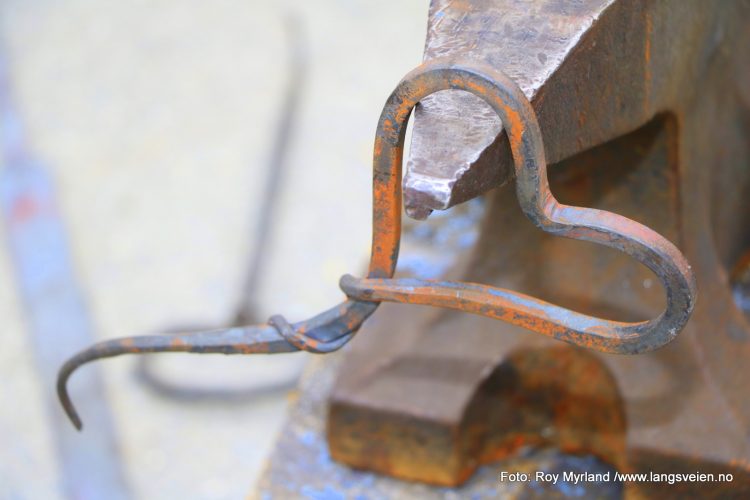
343, 320
62, 393
247, 340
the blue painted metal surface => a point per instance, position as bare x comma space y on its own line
55, 310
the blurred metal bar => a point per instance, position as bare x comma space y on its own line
58, 320
277, 164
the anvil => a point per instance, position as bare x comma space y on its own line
644, 107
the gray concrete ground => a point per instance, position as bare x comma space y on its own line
156, 119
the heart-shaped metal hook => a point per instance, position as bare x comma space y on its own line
539, 205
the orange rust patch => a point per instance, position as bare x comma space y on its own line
479, 89
516, 129
177, 342
378, 149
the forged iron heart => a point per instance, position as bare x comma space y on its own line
539, 205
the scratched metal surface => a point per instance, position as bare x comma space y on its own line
455, 143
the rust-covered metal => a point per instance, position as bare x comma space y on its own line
331, 330
325, 332
549, 397
537, 203
645, 113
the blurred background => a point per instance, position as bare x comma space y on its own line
152, 125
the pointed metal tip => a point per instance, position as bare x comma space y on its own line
64, 397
